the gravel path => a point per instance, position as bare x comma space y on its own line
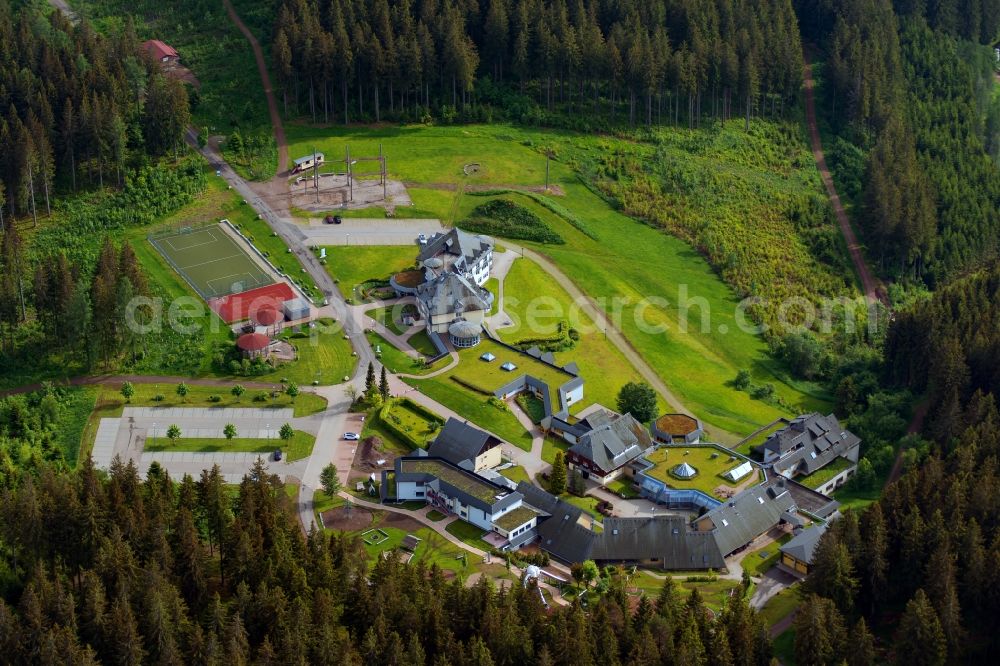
873, 288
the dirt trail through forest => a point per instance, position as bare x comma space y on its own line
873, 288
265, 78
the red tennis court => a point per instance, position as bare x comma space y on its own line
237, 307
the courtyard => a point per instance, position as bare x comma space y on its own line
709, 462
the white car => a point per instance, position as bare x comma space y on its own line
352, 436
422, 239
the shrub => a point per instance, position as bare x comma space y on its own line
215, 398
158, 397
502, 217
260, 397
499, 404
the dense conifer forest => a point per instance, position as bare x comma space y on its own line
644, 61
184, 571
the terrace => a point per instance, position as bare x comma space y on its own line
514, 519
464, 481
821, 476
490, 376
710, 462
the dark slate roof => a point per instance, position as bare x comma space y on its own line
561, 534
615, 443
457, 243
803, 545
807, 499
566, 537
451, 293
669, 539
809, 442
458, 442
748, 515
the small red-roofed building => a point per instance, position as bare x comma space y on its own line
253, 345
161, 51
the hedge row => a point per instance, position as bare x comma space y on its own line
470, 386
421, 410
396, 430
564, 338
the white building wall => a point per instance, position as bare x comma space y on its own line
479, 518
575, 395
407, 490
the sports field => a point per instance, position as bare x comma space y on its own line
212, 261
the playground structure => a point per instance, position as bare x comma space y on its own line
342, 183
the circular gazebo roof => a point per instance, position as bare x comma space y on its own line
465, 329
253, 342
267, 317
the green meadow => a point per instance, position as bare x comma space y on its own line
645, 278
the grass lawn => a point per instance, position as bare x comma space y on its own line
709, 461
625, 260
821, 476
493, 286
198, 396
715, 593
551, 445
746, 446
587, 503
374, 427
323, 356
384, 317
756, 564
536, 304
296, 448
475, 407
780, 605
531, 405
354, 265
784, 648
435, 515
489, 376
516, 474
422, 343
623, 487
395, 360
432, 549
468, 533
412, 423
856, 499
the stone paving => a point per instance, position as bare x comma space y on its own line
104, 444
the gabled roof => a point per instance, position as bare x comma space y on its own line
738, 472
451, 293
159, 50
748, 515
803, 545
808, 443
613, 444
561, 534
666, 538
458, 442
457, 243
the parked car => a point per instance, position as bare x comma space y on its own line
328, 219
352, 436
337, 219
422, 239
277, 454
